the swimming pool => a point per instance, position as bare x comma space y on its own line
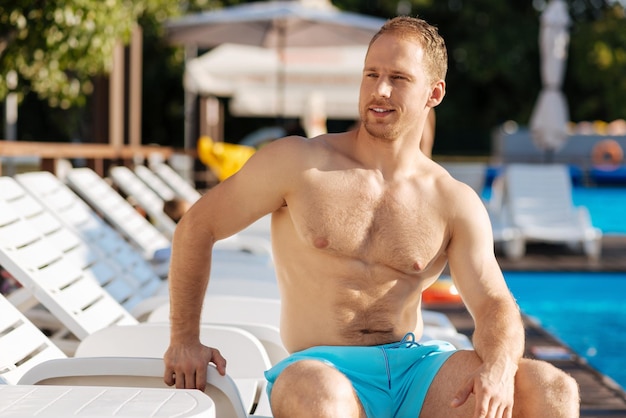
607, 207
586, 311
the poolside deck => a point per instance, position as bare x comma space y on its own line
542, 257
600, 396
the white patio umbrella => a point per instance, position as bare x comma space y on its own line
312, 75
548, 122
275, 24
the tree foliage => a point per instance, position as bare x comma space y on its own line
56, 47
596, 82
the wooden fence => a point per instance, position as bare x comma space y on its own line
98, 156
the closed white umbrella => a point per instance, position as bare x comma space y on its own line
548, 122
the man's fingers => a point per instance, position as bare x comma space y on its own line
169, 377
219, 361
187, 369
482, 408
179, 379
508, 413
201, 376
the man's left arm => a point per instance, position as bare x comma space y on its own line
499, 333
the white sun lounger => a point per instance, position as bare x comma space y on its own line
80, 217
55, 211
246, 355
505, 234
148, 199
123, 276
145, 236
538, 198
117, 211
129, 356
22, 344
181, 187
162, 189
46, 401
72, 295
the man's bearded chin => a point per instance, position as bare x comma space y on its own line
379, 131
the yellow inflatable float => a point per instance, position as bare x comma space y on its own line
222, 158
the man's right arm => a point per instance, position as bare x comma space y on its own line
186, 359
256, 190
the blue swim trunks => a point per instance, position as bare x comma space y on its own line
391, 380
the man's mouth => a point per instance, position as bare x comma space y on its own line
380, 110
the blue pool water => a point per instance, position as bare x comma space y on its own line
586, 311
607, 206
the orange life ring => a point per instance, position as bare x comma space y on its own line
442, 291
607, 153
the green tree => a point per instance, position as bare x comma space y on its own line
55, 47
595, 81
59, 49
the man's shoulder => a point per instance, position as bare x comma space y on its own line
302, 147
446, 182
458, 197
291, 154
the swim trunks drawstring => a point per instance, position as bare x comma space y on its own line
387, 366
408, 341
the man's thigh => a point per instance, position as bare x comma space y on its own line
452, 375
311, 388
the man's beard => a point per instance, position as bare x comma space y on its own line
383, 132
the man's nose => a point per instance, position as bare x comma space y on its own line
383, 87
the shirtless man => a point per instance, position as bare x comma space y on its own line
362, 223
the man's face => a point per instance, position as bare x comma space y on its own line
394, 88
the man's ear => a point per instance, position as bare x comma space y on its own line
437, 93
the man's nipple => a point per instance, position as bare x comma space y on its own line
320, 242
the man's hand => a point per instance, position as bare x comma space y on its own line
494, 395
186, 365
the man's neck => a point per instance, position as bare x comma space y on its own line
395, 159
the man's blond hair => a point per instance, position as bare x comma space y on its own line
435, 53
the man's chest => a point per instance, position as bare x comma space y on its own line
397, 227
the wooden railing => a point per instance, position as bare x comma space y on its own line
98, 156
